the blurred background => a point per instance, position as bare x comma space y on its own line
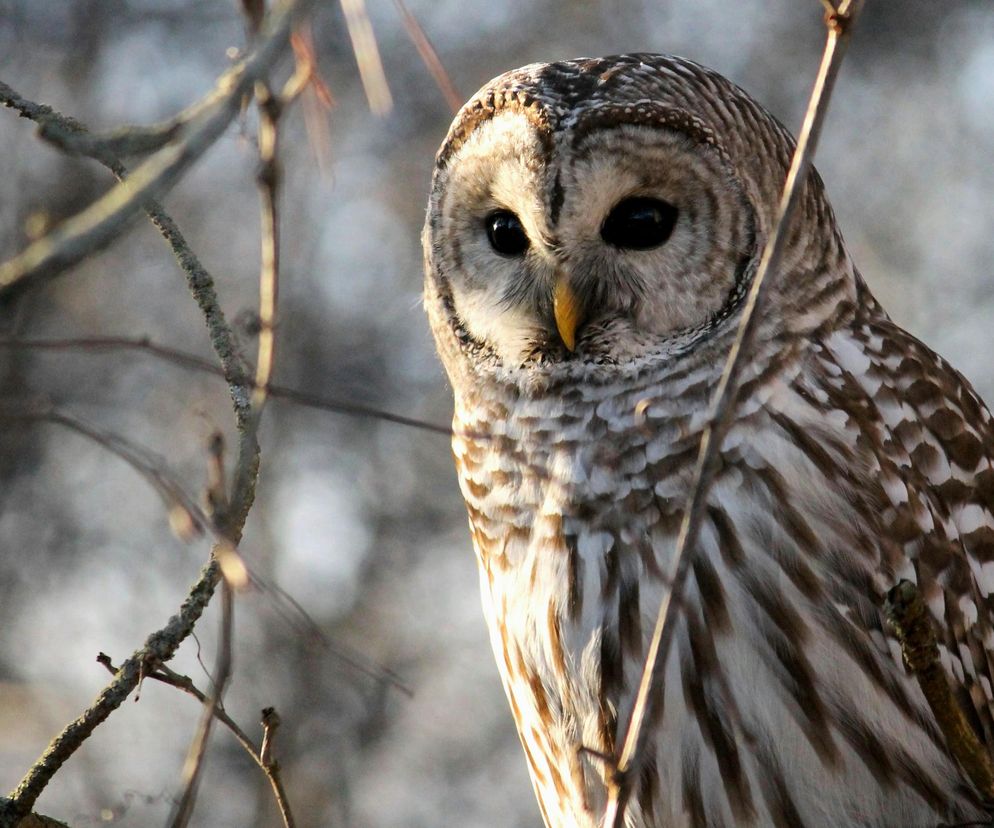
360, 521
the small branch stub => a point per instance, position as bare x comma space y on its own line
270, 722
909, 617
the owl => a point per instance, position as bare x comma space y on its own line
592, 230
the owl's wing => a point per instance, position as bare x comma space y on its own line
931, 441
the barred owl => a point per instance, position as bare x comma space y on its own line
592, 229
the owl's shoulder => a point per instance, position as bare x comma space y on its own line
929, 441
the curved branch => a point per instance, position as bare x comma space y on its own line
159, 647
67, 133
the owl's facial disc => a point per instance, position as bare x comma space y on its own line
594, 244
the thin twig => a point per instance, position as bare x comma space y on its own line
166, 675
268, 180
194, 763
430, 57
73, 138
839, 26
75, 239
270, 108
196, 363
122, 142
186, 517
318, 100
270, 723
298, 618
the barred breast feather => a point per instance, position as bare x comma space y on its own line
856, 459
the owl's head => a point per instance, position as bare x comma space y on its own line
592, 212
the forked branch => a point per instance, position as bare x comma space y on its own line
87, 232
103, 220
270, 108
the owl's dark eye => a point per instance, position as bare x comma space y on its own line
507, 235
639, 223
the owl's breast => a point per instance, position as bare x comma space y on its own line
781, 668
572, 503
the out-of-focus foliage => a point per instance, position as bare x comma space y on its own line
361, 521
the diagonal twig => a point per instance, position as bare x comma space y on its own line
211, 704
196, 363
186, 517
159, 647
430, 57
165, 675
839, 26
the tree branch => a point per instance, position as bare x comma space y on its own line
261, 756
105, 219
70, 132
270, 109
367, 55
159, 647
430, 58
80, 236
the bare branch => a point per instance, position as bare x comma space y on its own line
176, 500
105, 219
185, 516
299, 619
166, 675
75, 239
270, 109
839, 26
246, 471
201, 285
159, 647
194, 763
270, 722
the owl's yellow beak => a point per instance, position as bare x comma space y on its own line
568, 311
